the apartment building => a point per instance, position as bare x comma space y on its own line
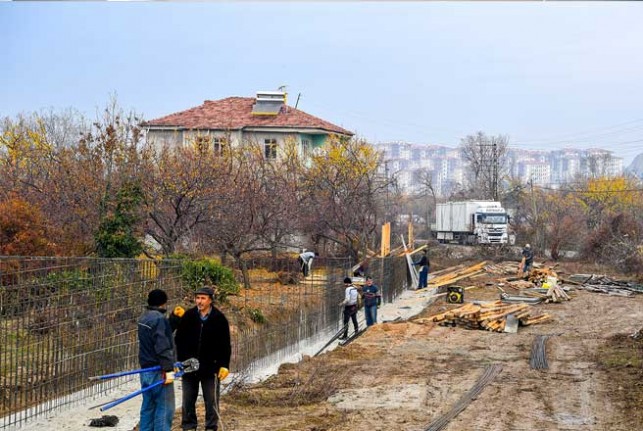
447, 168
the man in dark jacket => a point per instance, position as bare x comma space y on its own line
527, 260
156, 348
424, 265
203, 333
372, 299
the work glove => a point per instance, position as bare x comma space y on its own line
178, 311
168, 377
223, 373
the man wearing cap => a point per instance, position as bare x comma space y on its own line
203, 333
156, 348
350, 306
527, 259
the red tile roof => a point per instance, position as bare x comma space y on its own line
233, 113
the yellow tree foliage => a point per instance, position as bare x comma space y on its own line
24, 155
605, 197
343, 194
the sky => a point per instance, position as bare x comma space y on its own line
548, 75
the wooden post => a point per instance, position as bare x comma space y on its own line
411, 236
386, 239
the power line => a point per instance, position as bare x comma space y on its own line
590, 191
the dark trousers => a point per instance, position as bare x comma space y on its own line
210, 390
350, 312
304, 266
424, 275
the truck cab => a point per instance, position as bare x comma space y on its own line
490, 225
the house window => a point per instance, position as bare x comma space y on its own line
270, 148
219, 145
306, 148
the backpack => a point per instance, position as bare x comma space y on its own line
360, 300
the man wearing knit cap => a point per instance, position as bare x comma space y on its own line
156, 348
527, 260
203, 333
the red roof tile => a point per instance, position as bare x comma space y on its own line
233, 113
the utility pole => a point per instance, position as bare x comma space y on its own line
495, 171
535, 211
387, 187
493, 168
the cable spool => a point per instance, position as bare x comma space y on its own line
455, 295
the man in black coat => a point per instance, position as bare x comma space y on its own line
203, 333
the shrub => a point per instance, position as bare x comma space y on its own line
197, 273
256, 315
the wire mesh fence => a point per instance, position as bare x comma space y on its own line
63, 320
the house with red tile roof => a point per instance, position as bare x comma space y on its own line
265, 119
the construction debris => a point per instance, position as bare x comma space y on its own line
104, 421
517, 299
539, 276
604, 284
490, 316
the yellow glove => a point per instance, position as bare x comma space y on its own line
223, 373
178, 311
168, 377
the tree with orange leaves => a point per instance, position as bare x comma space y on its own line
22, 229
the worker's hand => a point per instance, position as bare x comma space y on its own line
178, 311
223, 373
168, 377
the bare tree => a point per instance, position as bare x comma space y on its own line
344, 197
425, 180
487, 157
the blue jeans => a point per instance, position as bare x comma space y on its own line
424, 275
157, 410
371, 314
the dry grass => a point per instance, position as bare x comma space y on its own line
295, 385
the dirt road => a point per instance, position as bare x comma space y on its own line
404, 375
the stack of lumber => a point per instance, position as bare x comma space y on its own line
490, 316
453, 274
521, 284
502, 268
556, 294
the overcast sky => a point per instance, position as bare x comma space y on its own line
546, 74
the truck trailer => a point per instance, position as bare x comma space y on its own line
471, 222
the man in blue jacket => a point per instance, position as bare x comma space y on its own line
203, 333
156, 348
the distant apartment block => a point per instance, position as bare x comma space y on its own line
411, 163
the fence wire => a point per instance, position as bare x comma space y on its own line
63, 320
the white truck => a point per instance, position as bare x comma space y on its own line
471, 222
